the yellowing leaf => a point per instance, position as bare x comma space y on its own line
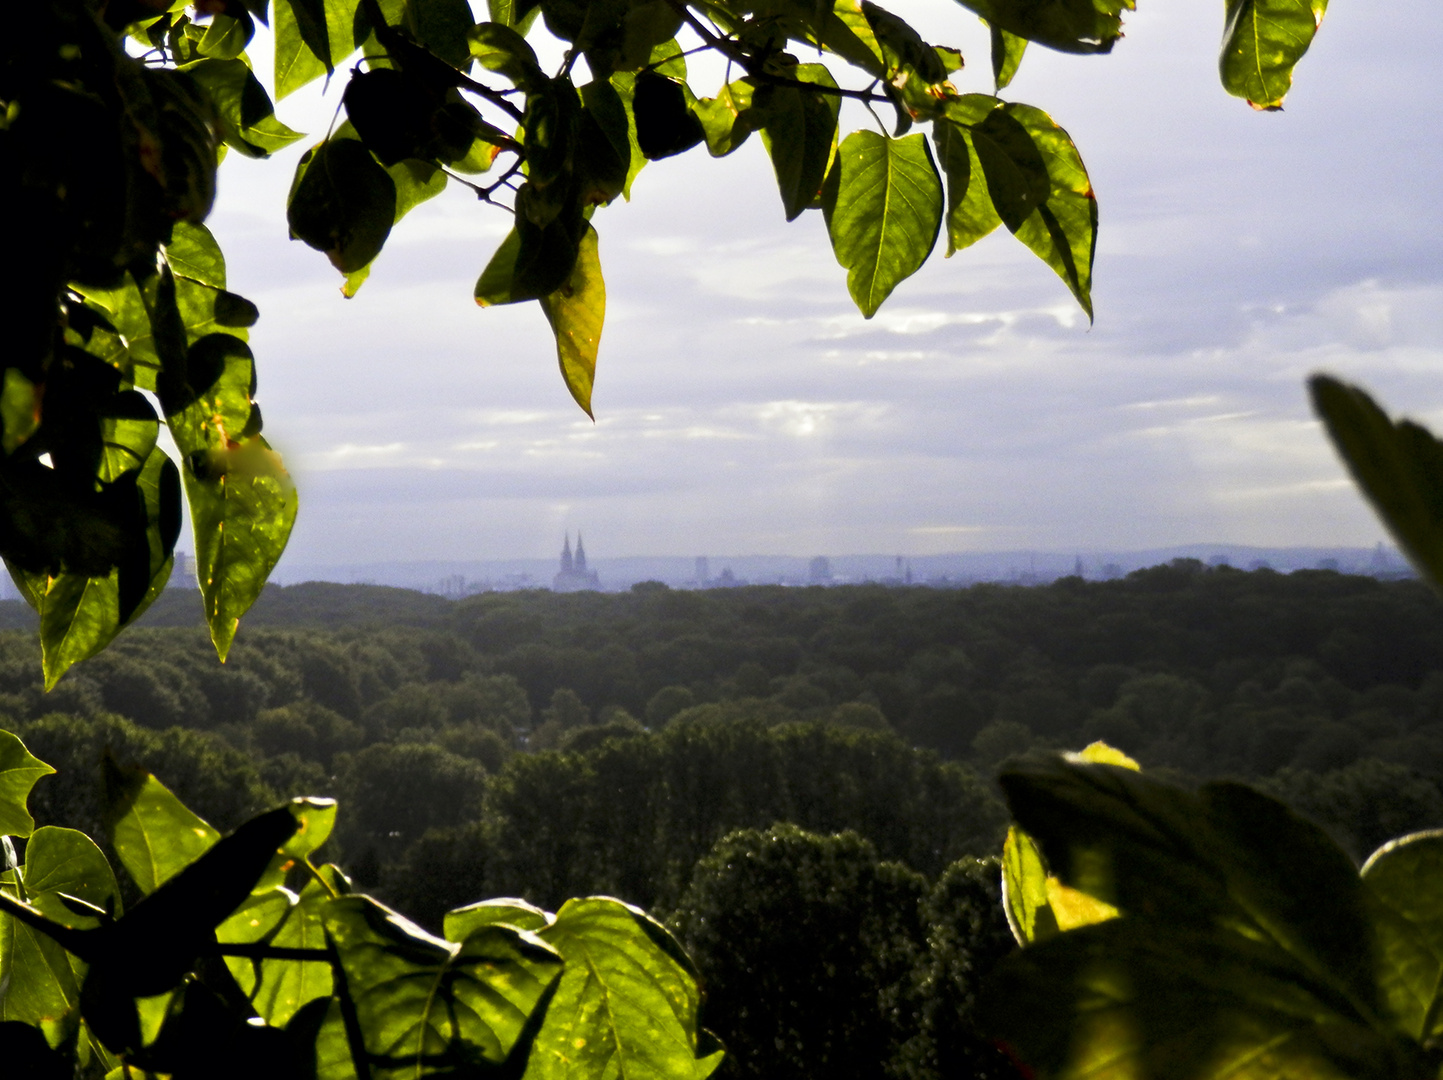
576, 312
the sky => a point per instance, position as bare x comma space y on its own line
744, 406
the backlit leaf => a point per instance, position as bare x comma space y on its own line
154, 833
627, 1003
725, 119
41, 980
1399, 466
1263, 41
243, 506
888, 209
313, 38
426, 1005
248, 120
80, 614
1040, 189
576, 312
1007, 50
1405, 876
464, 921
19, 770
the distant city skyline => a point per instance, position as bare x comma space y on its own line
613, 573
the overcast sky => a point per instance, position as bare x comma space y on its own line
744, 406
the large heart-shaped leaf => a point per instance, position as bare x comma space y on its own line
885, 215
627, 1003
425, 1006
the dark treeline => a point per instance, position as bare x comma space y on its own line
727, 757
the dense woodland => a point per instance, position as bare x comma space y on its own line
738, 760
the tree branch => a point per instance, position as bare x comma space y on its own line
734, 52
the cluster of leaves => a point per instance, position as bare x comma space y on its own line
220, 970
108, 161
107, 169
1208, 933
417, 116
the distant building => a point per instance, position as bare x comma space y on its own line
573, 575
821, 570
703, 570
182, 573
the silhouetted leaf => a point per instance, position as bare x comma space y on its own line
800, 133
342, 203
1399, 466
1076, 26
664, 124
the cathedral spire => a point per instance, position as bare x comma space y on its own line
566, 563
580, 554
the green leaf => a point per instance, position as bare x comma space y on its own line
280, 988
725, 119
1405, 877
1223, 855
1262, 43
1398, 465
576, 312
194, 254
146, 954
313, 38
316, 819
154, 833
627, 1003
342, 203
80, 614
1243, 948
1007, 50
226, 38
1040, 189
494, 286
41, 980
243, 507
247, 118
242, 500
970, 213
462, 922
1024, 889
19, 770
517, 14
442, 27
425, 1004
1075, 26
800, 133
1138, 997
887, 211
499, 48
609, 104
